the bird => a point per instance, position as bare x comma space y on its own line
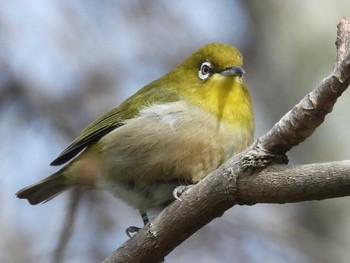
172, 132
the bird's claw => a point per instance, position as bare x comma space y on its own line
179, 190
131, 230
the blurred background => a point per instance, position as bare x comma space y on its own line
64, 63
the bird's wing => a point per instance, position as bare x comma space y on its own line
115, 118
91, 134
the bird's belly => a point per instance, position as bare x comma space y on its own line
144, 198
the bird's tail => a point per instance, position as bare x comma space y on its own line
45, 190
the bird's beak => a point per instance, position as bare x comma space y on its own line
233, 71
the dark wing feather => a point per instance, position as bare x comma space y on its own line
90, 135
115, 118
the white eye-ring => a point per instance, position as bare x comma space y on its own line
204, 70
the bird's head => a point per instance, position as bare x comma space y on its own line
212, 78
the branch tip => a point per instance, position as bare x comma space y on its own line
343, 39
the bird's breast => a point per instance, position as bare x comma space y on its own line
166, 143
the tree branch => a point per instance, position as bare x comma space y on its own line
288, 184
253, 175
309, 113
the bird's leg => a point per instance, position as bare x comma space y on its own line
179, 190
134, 229
144, 217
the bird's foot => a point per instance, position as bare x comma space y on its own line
134, 229
131, 230
179, 190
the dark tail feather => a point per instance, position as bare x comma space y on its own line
44, 190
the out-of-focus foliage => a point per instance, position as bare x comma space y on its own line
63, 63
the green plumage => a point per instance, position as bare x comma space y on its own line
113, 119
177, 129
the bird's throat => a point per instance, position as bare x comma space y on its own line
228, 99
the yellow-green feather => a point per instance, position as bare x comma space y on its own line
197, 126
212, 94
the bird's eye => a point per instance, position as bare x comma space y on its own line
204, 70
